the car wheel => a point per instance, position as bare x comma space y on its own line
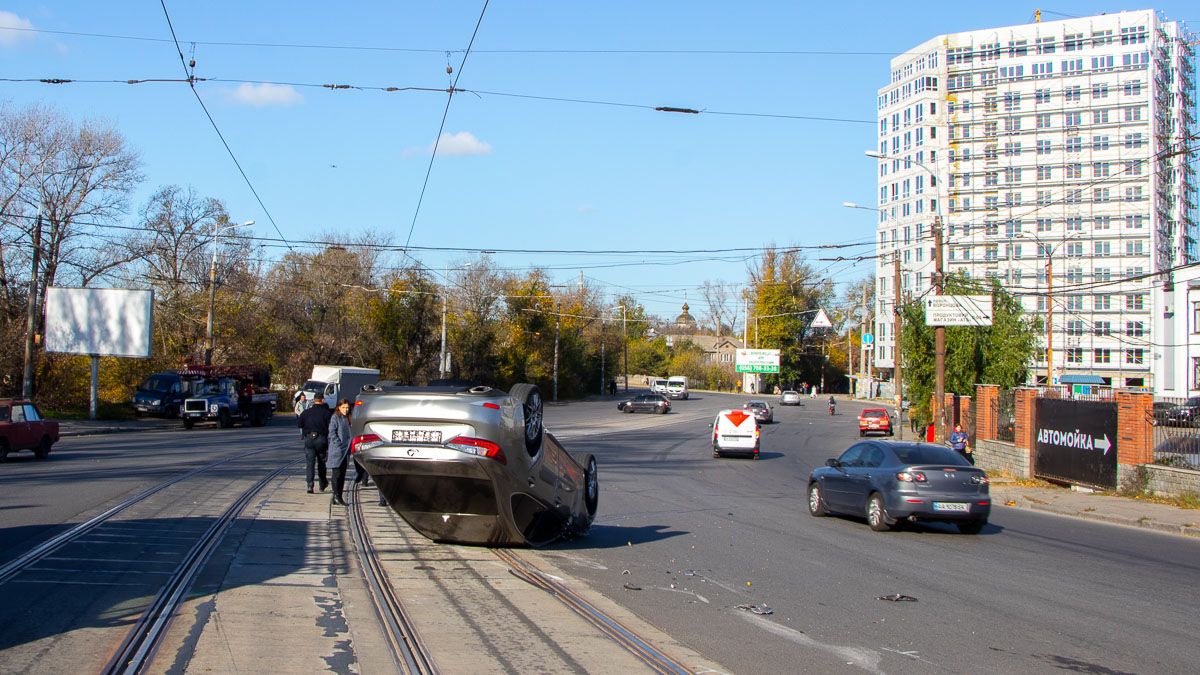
816, 503
531, 408
971, 526
42, 451
223, 418
172, 412
861, 433
877, 516
591, 487
3, 450
188, 423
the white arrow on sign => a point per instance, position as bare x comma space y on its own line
821, 320
1102, 443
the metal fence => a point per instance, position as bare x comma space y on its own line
1176, 432
1083, 394
1006, 415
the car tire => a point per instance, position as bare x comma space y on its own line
42, 450
816, 502
530, 399
3, 451
188, 423
172, 412
971, 526
861, 433
223, 419
877, 516
591, 487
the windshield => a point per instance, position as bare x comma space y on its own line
313, 385
928, 454
158, 383
874, 413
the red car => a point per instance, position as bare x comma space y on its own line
22, 428
874, 419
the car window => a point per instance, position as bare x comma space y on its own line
3, 413
1193, 402
874, 413
31, 413
928, 454
852, 456
872, 457
18, 414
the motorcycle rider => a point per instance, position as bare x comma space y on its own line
832, 404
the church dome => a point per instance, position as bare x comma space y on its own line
685, 323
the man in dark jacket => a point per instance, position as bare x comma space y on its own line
314, 425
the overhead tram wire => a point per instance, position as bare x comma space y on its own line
442, 126
192, 86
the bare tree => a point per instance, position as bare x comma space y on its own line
721, 305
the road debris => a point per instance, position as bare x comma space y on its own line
760, 609
624, 572
897, 597
631, 587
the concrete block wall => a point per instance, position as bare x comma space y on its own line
1171, 481
993, 455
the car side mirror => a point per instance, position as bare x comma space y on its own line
833, 463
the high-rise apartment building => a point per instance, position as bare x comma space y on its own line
1054, 155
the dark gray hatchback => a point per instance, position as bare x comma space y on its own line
890, 481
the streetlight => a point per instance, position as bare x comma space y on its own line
939, 332
212, 287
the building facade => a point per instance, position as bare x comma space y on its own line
1054, 157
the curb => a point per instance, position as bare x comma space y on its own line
1143, 523
99, 431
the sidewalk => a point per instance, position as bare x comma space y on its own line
1094, 506
68, 428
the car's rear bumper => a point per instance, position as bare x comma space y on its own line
922, 507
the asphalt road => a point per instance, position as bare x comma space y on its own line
699, 536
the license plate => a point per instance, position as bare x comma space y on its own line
951, 506
416, 436
733, 438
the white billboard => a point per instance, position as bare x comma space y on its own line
958, 310
757, 361
99, 321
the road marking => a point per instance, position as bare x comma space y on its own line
862, 657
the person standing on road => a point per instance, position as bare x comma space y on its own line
339, 449
960, 443
302, 403
314, 425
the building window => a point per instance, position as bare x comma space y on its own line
1102, 356
1103, 301
1102, 328
1074, 328
1074, 355
1195, 317
1135, 357
1195, 372
1135, 328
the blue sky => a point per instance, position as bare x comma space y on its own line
513, 172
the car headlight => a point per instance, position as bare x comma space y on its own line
213, 408
156, 402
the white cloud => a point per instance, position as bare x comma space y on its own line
462, 144
261, 95
587, 209
11, 38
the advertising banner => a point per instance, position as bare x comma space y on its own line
757, 361
1076, 442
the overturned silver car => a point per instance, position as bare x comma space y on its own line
473, 464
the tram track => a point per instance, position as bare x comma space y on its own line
44, 549
411, 655
137, 649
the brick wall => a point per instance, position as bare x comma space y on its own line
1135, 435
992, 455
987, 402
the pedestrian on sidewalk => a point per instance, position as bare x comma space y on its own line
960, 443
314, 425
339, 449
302, 403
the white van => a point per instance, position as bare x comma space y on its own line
735, 431
658, 386
677, 387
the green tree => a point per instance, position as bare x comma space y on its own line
785, 293
996, 354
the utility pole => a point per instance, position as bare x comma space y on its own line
864, 383
939, 338
442, 369
603, 373
625, 345
31, 310
212, 306
1049, 317
745, 334
557, 324
896, 354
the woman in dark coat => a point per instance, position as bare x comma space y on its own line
339, 449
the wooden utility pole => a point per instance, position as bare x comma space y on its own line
896, 354
864, 380
31, 310
939, 338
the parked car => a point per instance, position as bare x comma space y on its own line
1184, 414
1160, 410
735, 432
762, 411
161, 394
22, 428
874, 419
790, 397
892, 481
473, 464
651, 403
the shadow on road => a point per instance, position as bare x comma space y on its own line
613, 536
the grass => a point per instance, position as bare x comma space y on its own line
1187, 500
105, 410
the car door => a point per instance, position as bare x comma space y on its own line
19, 435
836, 481
37, 428
862, 478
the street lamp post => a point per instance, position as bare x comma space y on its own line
212, 289
939, 332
